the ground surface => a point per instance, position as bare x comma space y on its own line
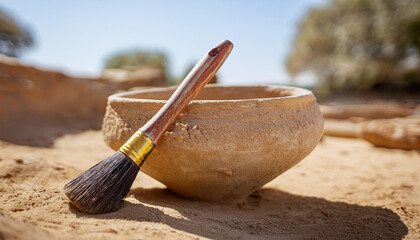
345, 189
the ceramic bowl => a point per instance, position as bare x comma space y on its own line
225, 144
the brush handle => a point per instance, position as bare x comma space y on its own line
189, 88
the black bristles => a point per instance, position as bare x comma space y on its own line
102, 188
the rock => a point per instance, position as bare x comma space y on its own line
402, 133
368, 111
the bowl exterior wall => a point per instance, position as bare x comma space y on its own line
221, 150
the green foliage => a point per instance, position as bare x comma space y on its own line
136, 59
359, 44
13, 37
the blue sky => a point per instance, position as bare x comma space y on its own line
77, 36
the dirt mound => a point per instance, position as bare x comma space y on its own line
389, 125
403, 133
35, 104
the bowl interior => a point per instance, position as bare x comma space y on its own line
220, 93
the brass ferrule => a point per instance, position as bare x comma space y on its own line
138, 147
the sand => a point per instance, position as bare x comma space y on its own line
345, 189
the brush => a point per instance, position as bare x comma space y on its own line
103, 187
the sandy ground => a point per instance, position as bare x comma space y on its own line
345, 189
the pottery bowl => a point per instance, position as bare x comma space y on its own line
225, 144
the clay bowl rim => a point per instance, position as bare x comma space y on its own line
296, 93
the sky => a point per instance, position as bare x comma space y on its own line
76, 37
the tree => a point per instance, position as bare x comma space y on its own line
136, 59
13, 37
359, 44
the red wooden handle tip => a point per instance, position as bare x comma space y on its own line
222, 48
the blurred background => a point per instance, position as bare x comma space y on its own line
83, 37
332, 45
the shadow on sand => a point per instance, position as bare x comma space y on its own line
265, 214
42, 132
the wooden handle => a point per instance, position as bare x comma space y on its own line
189, 88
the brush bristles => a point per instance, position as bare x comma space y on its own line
102, 188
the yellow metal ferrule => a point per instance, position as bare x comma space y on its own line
138, 147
